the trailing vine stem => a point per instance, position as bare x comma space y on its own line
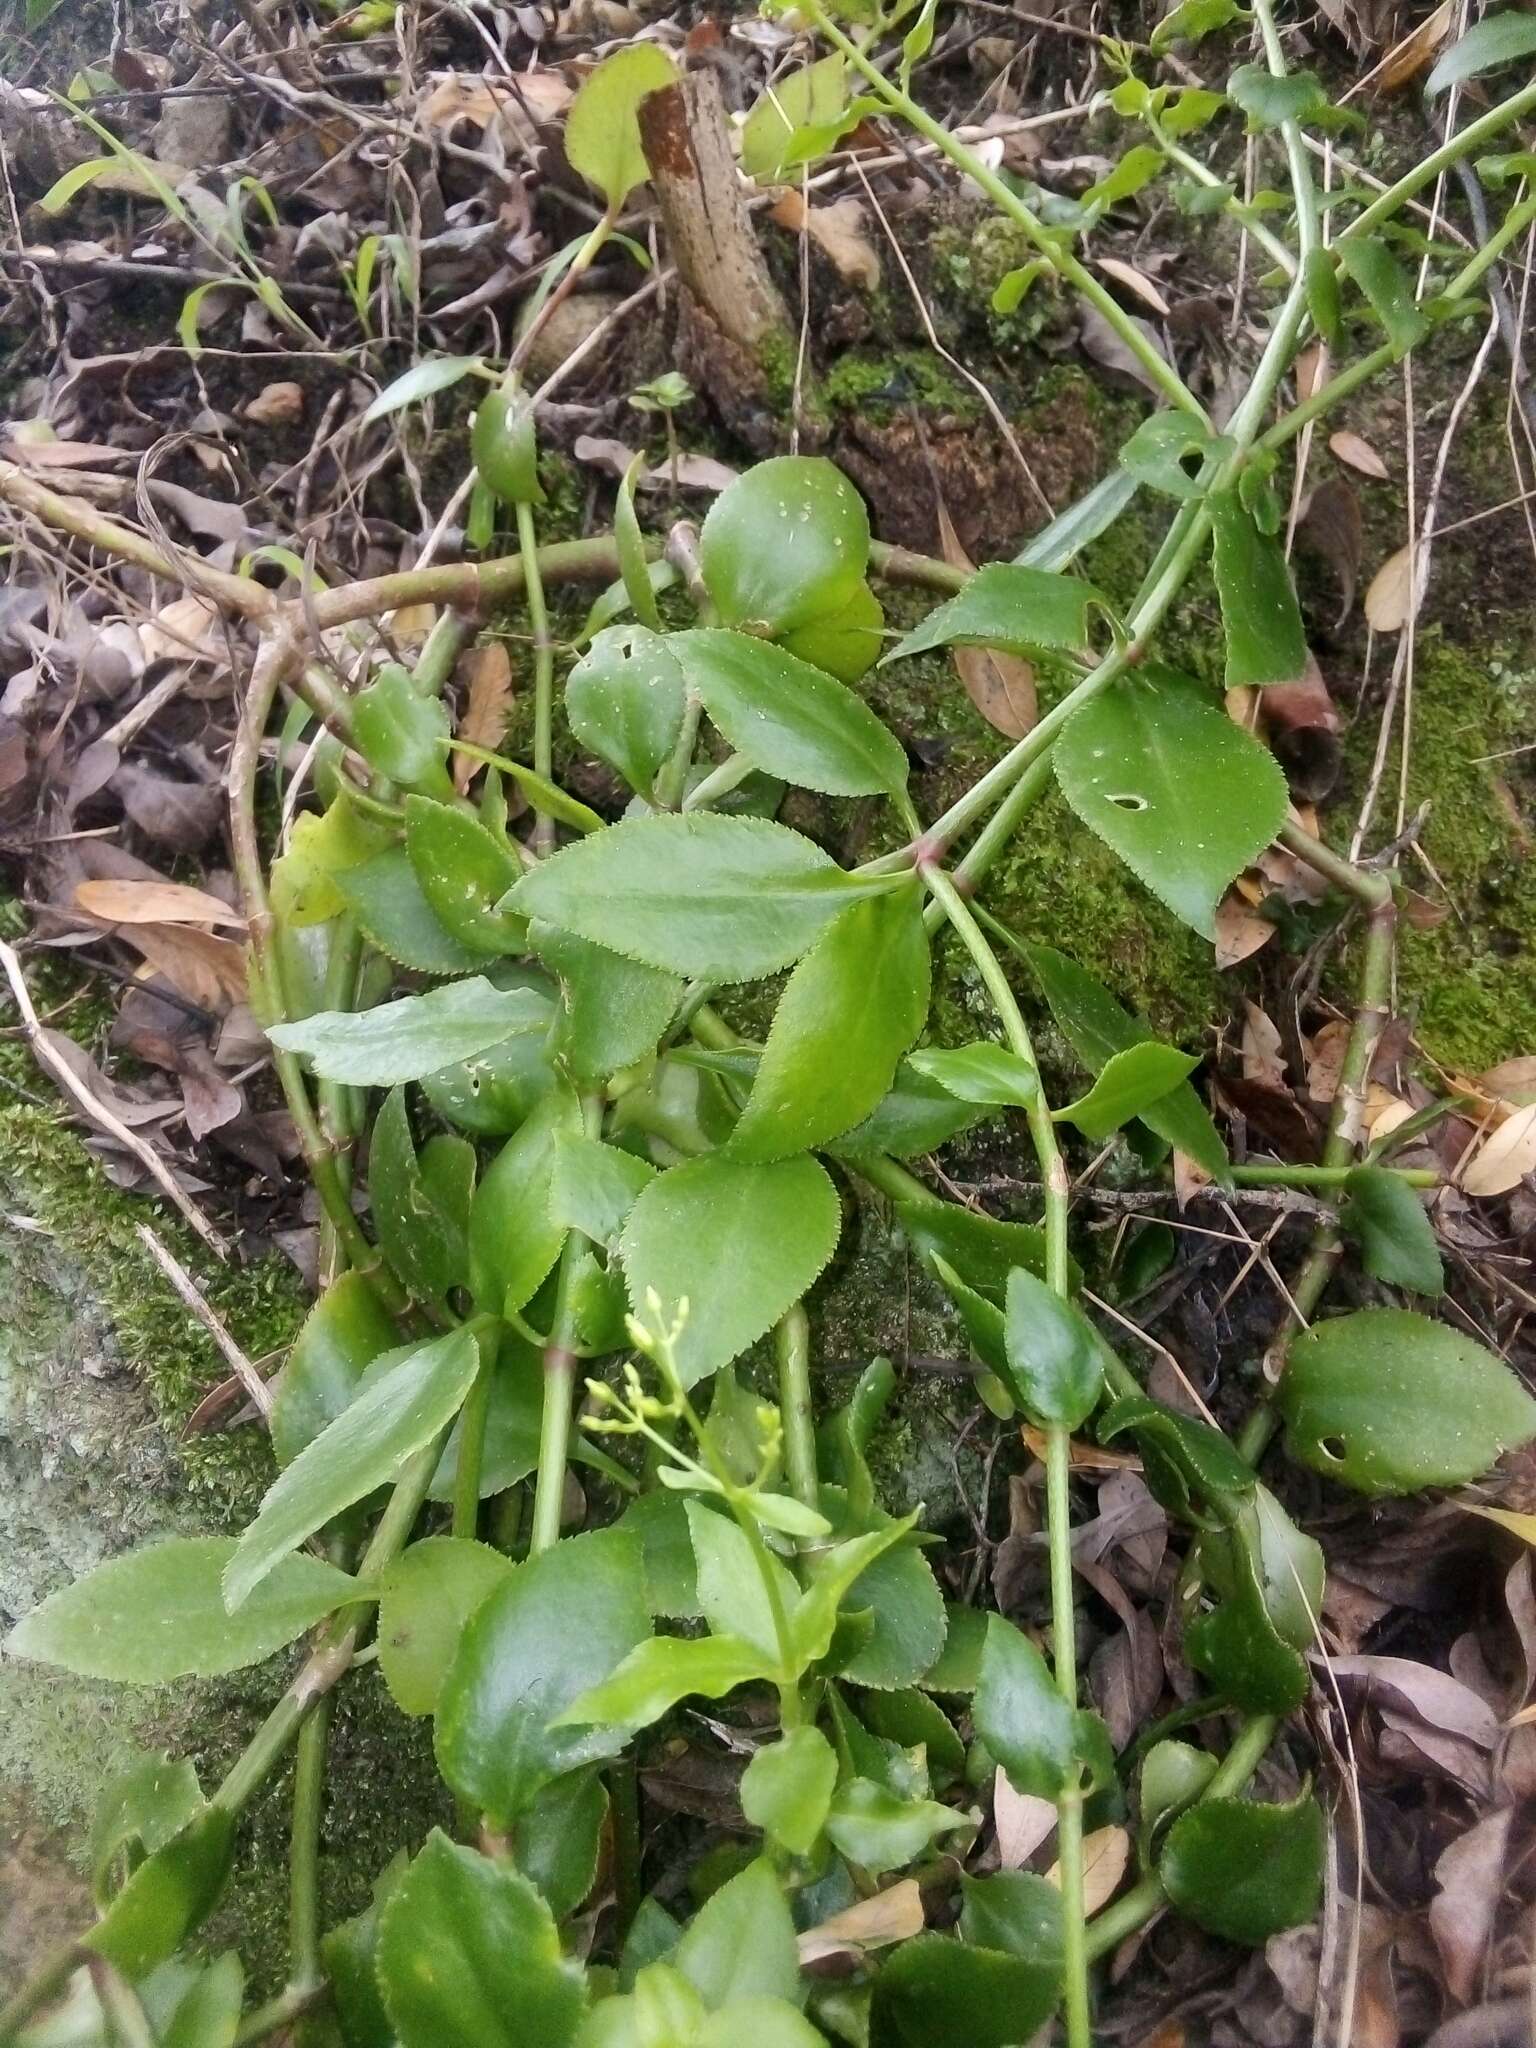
1058, 1456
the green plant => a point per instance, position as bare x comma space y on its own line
579, 1174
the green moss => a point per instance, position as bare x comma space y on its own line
865, 383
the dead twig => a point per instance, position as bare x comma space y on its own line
257, 1390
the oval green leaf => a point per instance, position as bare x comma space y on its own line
1246, 1871
412, 1036
786, 543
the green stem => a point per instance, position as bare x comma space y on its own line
624, 1806
466, 1478
1053, 1173
560, 1360
276, 2014
1159, 370
792, 1344
720, 781
1325, 1176
543, 672
1450, 152
451, 633
1244, 215
304, 1972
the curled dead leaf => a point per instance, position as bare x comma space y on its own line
1106, 1853
206, 969
1022, 1821
1135, 281
487, 707
1406, 59
1396, 592
1358, 454
892, 1915
1504, 1158
1512, 1081
1303, 726
838, 231
1240, 930
1001, 686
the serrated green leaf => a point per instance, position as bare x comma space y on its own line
1173, 1775
493, 1093
879, 1830
1269, 99
1054, 1370
469, 1955
464, 871
929, 1980
139, 1810
1397, 1240
849, 1011
612, 1009
602, 129
1192, 19
1490, 44
425, 1241
594, 1186
1185, 1458
558, 1841
725, 899
1246, 1871
741, 1943
786, 543
158, 1613
564, 1622
832, 1575
625, 700
1097, 1028
340, 1337
400, 733
363, 1448
1004, 605
1029, 1729
787, 1788
1129, 1084
1016, 1913
730, 1582
426, 1598
385, 897
980, 1072
348, 1952
982, 1249
1184, 796
412, 1036
788, 718
514, 1238
1266, 641
898, 1591
1386, 1402
741, 1243
918, 1115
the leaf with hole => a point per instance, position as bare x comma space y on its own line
469, 1955
464, 871
1170, 451
1053, 1361
741, 1243
1388, 1402
848, 1012
1130, 1083
414, 1035
1185, 797
980, 1072
789, 719
602, 129
1023, 611
158, 1613
563, 1622
1266, 641
785, 544
1243, 1870
625, 700
1097, 1028
1386, 1219
721, 898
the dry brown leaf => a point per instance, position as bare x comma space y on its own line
892, 1915
1471, 1875
1405, 60
1331, 527
1303, 726
1359, 454
152, 903
1311, 372
1263, 1059
487, 707
1106, 1853
1022, 1821
1297, 881
1240, 931
1083, 1457
1505, 1158
516, 106
63, 454
1384, 1112
1325, 1062
412, 623
838, 230
1419, 912
1189, 1177
1135, 281
1391, 601
276, 405
207, 970
1513, 1081
1001, 686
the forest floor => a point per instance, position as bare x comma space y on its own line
412, 189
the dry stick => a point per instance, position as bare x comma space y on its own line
257, 1390
97, 1111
